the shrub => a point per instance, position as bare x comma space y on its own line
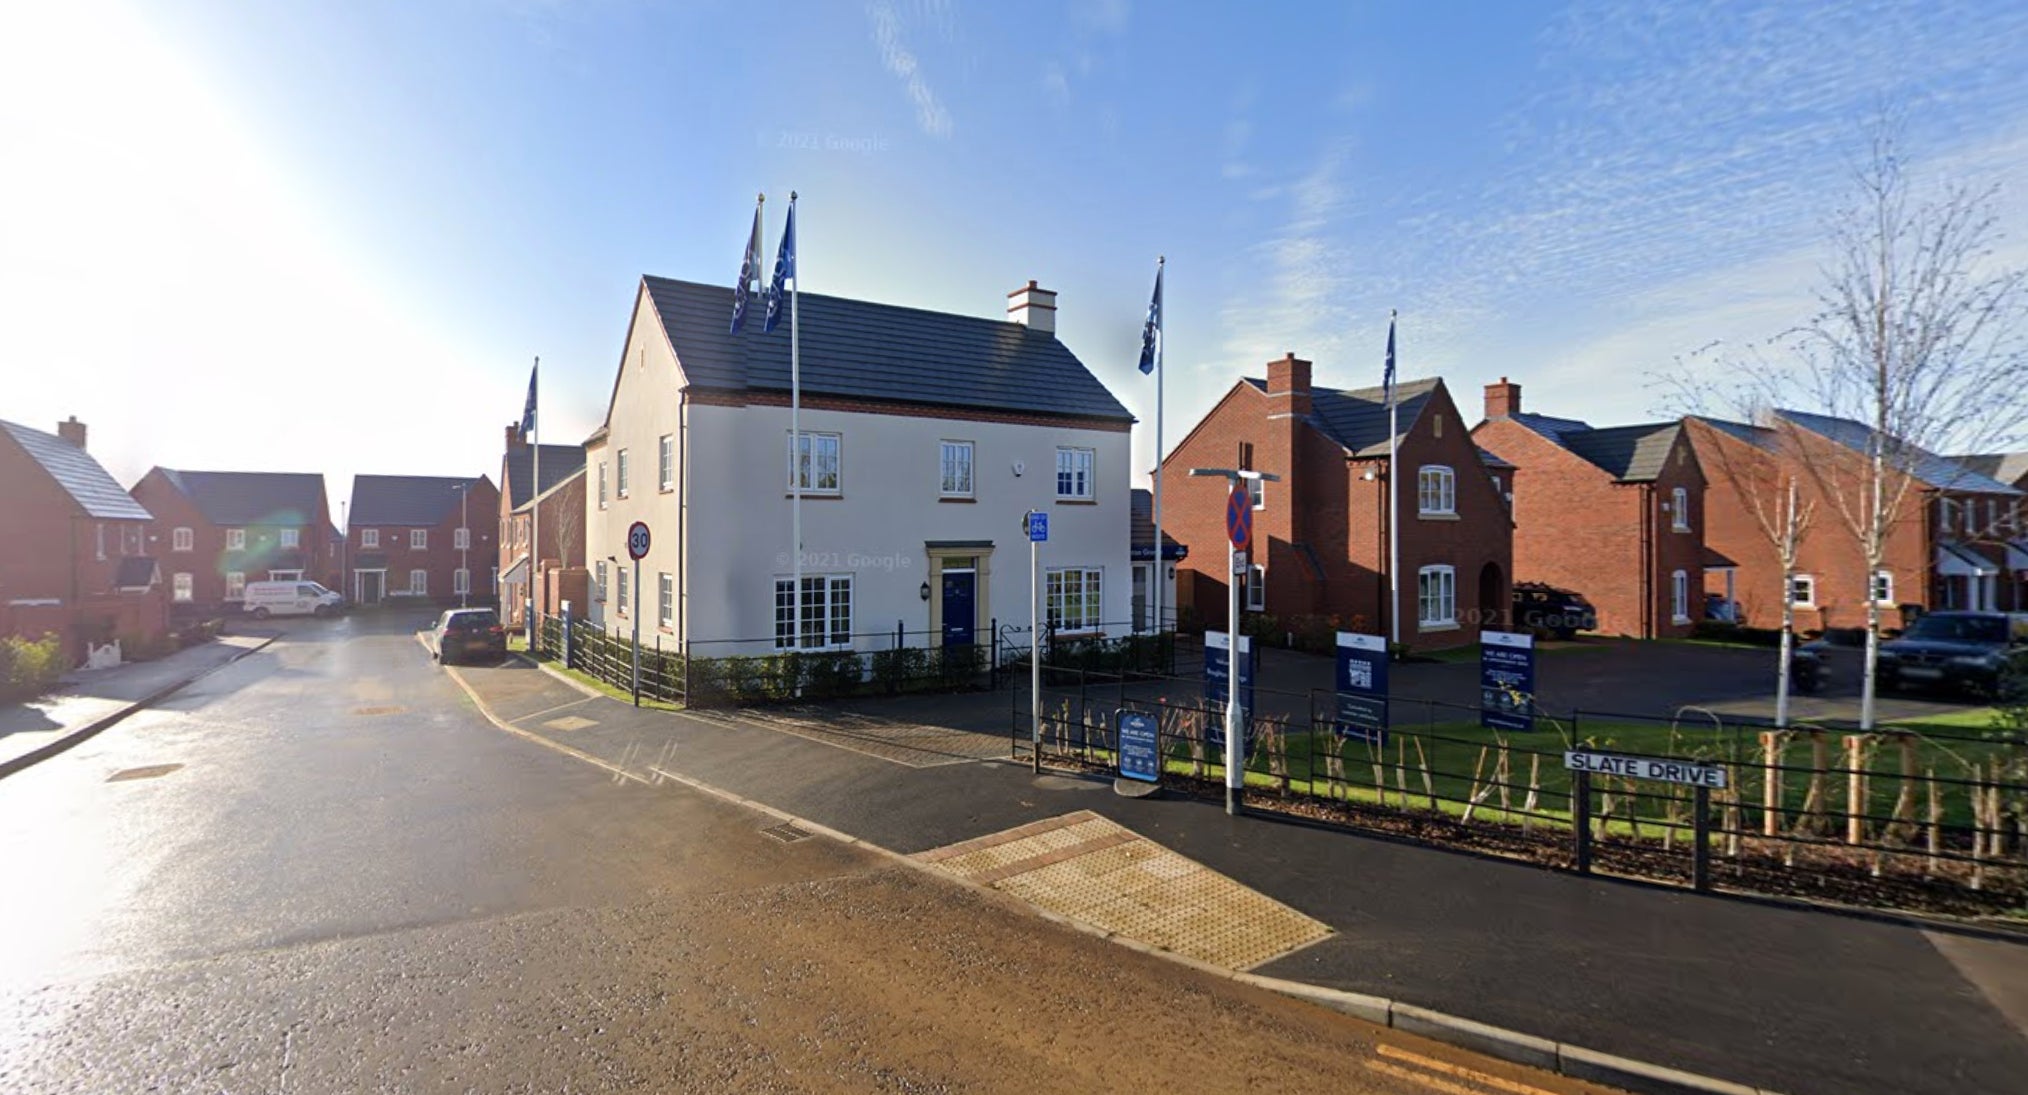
833, 674
31, 665
892, 669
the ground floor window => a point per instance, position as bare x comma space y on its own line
461, 581
418, 583
1803, 590
1074, 602
1437, 597
827, 613
1883, 587
1679, 597
235, 585
184, 586
285, 575
665, 600
620, 587
599, 582
1256, 588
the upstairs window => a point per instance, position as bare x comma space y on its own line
1256, 493
291, 537
666, 462
1074, 473
954, 469
814, 464
1436, 490
602, 484
369, 538
620, 483
183, 539
418, 539
461, 538
235, 539
1679, 510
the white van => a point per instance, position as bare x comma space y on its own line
299, 598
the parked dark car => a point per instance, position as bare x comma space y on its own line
1718, 609
465, 632
1807, 670
1958, 651
1547, 610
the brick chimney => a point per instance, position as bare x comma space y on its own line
72, 431
1033, 306
514, 440
1503, 399
1288, 385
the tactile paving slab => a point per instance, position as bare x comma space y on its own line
1091, 869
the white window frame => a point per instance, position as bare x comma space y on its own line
665, 600
418, 539
821, 606
1256, 493
292, 538
101, 534
602, 484
816, 443
620, 588
235, 539
1089, 598
461, 539
1436, 598
235, 585
1679, 510
599, 582
1881, 588
184, 585
1803, 590
183, 539
621, 474
369, 538
461, 581
418, 582
1076, 473
1256, 588
956, 461
1436, 491
665, 458
1679, 596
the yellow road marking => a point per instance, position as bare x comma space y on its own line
1431, 1082
1461, 1072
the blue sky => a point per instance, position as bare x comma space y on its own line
330, 237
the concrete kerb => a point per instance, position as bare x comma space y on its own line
1576, 1062
49, 749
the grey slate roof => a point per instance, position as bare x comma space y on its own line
252, 497
1141, 508
1759, 437
380, 500
559, 462
1492, 459
1927, 467
1631, 454
1549, 427
2007, 467
858, 349
78, 474
1356, 418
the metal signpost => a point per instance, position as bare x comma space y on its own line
1362, 687
1239, 535
1037, 524
1702, 777
637, 549
1506, 680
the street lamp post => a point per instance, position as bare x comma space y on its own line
1235, 756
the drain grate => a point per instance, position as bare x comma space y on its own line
152, 771
787, 833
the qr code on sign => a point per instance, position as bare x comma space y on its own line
1359, 674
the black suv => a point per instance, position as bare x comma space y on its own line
1547, 610
1969, 651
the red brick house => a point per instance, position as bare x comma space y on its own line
1320, 534
1948, 549
215, 531
2008, 536
421, 539
75, 559
1616, 514
560, 499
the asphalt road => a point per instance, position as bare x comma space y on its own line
321, 870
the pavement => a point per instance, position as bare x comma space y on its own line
87, 701
1771, 997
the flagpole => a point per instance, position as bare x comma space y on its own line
796, 440
535, 508
1393, 492
1161, 565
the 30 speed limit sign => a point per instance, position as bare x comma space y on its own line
637, 540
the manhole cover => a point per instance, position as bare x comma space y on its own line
378, 710
786, 833
151, 771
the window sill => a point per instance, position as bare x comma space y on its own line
809, 494
1679, 620
1080, 633
1422, 515
1077, 501
1678, 528
1451, 625
963, 499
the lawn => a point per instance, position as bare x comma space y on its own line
621, 694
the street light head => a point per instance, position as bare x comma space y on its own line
1216, 473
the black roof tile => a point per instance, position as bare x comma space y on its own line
237, 498
81, 477
425, 500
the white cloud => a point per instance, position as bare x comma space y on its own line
930, 115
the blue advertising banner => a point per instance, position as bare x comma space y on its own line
1140, 748
1362, 687
1217, 647
1506, 680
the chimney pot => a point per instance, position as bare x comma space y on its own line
1503, 399
1033, 307
1289, 379
72, 431
514, 440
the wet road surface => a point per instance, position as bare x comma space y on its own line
321, 870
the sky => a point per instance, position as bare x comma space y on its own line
332, 237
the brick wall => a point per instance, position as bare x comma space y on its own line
439, 558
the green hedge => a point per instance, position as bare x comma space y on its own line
28, 667
773, 678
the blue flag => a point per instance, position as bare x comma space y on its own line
1151, 332
785, 268
1387, 378
528, 410
749, 269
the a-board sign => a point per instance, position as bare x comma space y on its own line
1506, 680
1217, 647
1362, 687
1688, 772
1140, 749
637, 540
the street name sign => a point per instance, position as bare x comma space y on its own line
1687, 772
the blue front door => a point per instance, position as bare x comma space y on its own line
958, 607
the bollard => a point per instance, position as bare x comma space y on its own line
1580, 816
